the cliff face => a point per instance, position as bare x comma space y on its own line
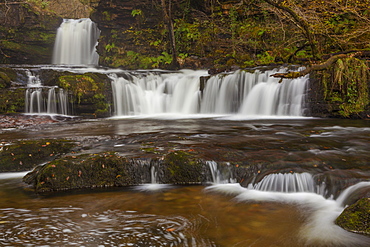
26, 36
136, 34
28, 28
125, 26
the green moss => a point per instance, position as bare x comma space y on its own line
4, 80
89, 92
26, 48
183, 168
83, 171
12, 100
356, 218
346, 83
24, 155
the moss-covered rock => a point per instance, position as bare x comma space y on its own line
342, 90
84, 171
356, 217
91, 93
5, 81
25, 155
26, 35
7, 75
183, 168
112, 170
12, 100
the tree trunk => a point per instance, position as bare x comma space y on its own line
168, 18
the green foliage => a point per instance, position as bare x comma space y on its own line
136, 60
347, 85
107, 16
136, 12
12, 100
186, 34
41, 3
110, 47
265, 58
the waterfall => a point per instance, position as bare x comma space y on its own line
319, 228
44, 100
240, 93
289, 183
156, 93
221, 175
75, 43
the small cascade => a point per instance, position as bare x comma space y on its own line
241, 93
319, 228
289, 183
44, 100
156, 93
76, 42
220, 175
153, 175
154, 169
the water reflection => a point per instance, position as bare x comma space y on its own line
178, 216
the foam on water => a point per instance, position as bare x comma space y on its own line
319, 228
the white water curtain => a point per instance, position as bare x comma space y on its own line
240, 93
75, 43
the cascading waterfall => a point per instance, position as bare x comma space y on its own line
44, 100
75, 43
156, 93
241, 93
289, 183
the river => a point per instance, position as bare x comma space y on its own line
334, 151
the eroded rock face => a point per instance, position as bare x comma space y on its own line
27, 36
356, 217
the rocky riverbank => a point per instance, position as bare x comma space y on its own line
24, 121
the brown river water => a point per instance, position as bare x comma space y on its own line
223, 214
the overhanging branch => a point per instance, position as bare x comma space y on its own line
315, 67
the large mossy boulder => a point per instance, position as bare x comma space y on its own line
84, 171
113, 170
25, 155
91, 93
356, 217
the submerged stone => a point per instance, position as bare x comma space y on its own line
356, 217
